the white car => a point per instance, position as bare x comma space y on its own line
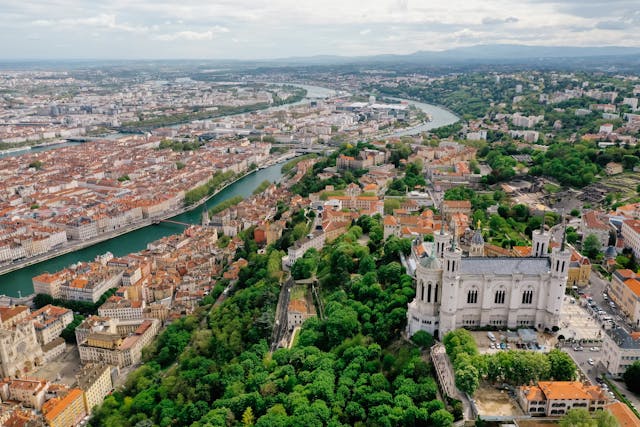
594, 349
590, 362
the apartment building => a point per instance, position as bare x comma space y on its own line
9, 316
315, 240
620, 349
450, 207
65, 411
556, 398
91, 285
625, 291
119, 349
29, 392
122, 309
48, 284
95, 380
95, 324
49, 322
631, 235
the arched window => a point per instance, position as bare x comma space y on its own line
421, 291
435, 294
429, 293
472, 296
527, 297
499, 297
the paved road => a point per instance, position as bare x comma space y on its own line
596, 289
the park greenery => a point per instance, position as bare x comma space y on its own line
180, 145
412, 178
510, 226
69, 332
310, 182
205, 190
580, 417
263, 186
348, 368
225, 205
512, 367
82, 307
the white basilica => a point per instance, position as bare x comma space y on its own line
453, 291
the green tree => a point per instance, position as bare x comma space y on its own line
467, 379
247, 417
606, 419
578, 418
631, 377
591, 246
441, 418
562, 366
423, 339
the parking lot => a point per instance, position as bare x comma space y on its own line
544, 342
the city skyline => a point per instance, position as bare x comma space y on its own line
257, 29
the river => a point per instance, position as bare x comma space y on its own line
19, 281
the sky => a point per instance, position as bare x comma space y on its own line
262, 29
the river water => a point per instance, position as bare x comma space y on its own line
19, 281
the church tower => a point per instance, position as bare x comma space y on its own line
441, 240
560, 259
450, 281
477, 242
423, 311
540, 246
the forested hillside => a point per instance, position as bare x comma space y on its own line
350, 368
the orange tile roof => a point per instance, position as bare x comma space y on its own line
559, 390
624, 415
457, 204
522, 251
533, 393
62, 404
633, 285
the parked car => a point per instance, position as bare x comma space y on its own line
590, 361
492, 345
578, 348
594, 349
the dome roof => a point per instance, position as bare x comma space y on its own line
477, 238
610, 253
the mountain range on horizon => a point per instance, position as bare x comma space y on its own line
477, 52
498, 53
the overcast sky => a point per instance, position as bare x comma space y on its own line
255, 29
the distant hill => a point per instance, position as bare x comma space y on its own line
478, 53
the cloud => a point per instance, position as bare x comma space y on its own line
102, 21
192, 35
497, 21
280, 28
612, 25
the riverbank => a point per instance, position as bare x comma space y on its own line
72, 247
